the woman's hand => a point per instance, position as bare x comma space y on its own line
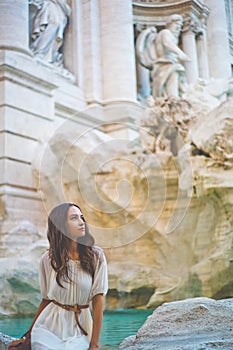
24, 340
93, 347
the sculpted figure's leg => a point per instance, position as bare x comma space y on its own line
172, 85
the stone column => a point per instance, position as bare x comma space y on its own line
202, 48
14, 22
190, 48
91, 51
202, 55
117, 47
217, 36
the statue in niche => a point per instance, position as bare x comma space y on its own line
47, 29
160, 53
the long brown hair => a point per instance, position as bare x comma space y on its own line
59, 242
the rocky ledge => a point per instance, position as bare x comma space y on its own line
191, 324
4, 340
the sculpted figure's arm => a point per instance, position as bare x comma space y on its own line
170, 45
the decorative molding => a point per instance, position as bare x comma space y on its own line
153, 1
37, 3
167, 4
204, 16
156, 2
154, 12
191, 23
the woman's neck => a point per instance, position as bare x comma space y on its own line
73, 250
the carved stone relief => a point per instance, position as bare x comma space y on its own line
161, 54
48, 23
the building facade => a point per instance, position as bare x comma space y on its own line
99, 75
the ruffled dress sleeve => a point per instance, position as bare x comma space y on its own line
100, 279
44, 271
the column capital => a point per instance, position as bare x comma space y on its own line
192, 24
204, 16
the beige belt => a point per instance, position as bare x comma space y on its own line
76, 309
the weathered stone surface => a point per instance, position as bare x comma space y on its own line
198, 323
19, 284
215, 139
166, 226
163, 241
20, 237
128, 201
4, 340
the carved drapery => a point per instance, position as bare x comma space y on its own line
48, 20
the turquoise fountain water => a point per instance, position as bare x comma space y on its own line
117, 325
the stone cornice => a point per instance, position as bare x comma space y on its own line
154, 12
161, 4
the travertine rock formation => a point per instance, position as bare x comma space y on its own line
19, 284
165, 221
215, 138
165, 225
191, 324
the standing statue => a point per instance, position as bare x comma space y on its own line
48, 28
160, 53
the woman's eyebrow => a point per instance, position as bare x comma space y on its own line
76, 215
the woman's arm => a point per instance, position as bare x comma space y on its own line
24, 339
97, 311
43, 304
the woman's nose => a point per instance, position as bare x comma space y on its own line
80, 221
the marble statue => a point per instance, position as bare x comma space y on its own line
48, 28
160, 53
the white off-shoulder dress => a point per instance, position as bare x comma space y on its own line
56, 328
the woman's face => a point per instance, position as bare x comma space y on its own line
75, 223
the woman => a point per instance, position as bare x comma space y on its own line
73, 274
